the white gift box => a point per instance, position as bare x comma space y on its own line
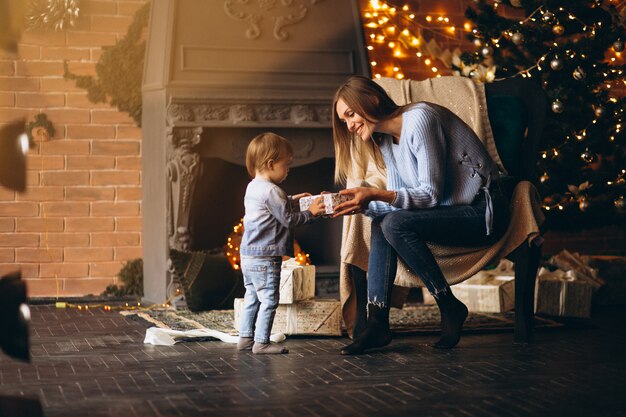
315, 317
297, 282
487, 292
330, 201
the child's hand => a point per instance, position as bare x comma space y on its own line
297, 197
317, 207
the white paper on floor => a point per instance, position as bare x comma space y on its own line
168, 337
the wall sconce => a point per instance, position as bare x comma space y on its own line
41, 129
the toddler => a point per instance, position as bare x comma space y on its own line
268, 223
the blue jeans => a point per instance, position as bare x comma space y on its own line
404, 233
261, 277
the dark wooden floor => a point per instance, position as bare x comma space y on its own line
95, 364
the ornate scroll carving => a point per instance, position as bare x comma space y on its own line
283, 13
184, 167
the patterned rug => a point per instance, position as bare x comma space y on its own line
412, 319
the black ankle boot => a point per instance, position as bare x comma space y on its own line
453, 315
359, 281
376, 334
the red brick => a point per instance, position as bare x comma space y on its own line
21, 209
115, 178
63, 116
128, 193
124, 148
7, 68
67, 147
78, 287
88, 224
38, 225
82, 68
128, 224
90, 39
66, 178
129, 9
93, 7
116, 24
127, 253
12, 84
130, 162
41, 68
65, 239
88, 254
128, 132
7, 99
65, 209
90, 162
40, 163
105, 269
115, 239
43, 38
7, 255
38, 255
115, 209
15, 240
40, 100
28, 51
64, 270
10, 115
110, 117
26, 270
58, 84
89, 193
42, 287
7, 225
80, 100
6, 194
73, 54
90, 132
42, 194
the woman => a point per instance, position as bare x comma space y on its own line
440, 182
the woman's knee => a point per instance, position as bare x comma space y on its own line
392, 226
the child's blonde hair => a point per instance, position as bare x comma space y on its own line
263, 148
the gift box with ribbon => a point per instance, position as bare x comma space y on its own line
297, 282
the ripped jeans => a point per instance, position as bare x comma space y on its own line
404, 233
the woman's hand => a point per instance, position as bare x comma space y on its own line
361, 196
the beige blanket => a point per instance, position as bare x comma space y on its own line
467, 100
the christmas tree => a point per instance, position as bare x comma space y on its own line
574, 49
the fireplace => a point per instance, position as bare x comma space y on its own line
217, 73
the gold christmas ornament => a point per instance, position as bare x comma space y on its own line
618, 45
558, 106
620, 203
556, 64
579, 73
517, 38
583, 204
598, 111
558, 30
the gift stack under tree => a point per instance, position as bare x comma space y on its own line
299, 312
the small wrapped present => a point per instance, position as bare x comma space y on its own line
330, 201
316, 317
297, 282
563, 293
490, 291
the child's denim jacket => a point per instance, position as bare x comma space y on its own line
269, 220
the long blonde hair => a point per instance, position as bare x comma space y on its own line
370, 101
262, 149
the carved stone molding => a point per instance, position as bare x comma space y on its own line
184, 167
282, 12
253, 114
302, 148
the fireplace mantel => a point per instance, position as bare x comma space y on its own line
220, 71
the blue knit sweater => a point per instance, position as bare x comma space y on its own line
439, 160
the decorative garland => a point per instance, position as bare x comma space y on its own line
119, 70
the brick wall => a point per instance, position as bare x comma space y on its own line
80, 218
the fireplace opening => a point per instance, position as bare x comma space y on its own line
218, 206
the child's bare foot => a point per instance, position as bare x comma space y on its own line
268, 349
245, 343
